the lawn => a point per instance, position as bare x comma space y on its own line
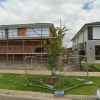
17, 82
91, 67
86, 89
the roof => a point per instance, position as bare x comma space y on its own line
85, 26
51, 25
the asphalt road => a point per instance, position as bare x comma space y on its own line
14, 98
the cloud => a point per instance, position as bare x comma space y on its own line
41, 11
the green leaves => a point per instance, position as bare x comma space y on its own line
53, 51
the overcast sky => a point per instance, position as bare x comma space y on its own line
73, 13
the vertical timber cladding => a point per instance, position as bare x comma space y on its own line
21, 31
90, 33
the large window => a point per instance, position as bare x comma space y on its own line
97, 52
96, 32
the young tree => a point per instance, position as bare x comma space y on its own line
53, 52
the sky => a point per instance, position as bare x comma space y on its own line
73, 13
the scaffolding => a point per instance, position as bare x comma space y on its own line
14, 47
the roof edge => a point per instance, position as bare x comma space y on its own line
51, 25
86, 25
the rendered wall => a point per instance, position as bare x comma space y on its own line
90, 48
80, 39
75, 41
85, 35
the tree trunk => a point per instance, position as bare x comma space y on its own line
52, 74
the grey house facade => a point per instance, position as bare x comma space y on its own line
87, 42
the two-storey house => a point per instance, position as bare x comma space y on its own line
20, 40
87, 42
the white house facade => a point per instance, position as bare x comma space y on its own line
87, 42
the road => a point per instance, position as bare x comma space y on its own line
15, 98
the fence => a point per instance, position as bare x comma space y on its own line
56, 73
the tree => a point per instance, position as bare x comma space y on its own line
53, 52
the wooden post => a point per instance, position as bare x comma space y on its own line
41, 51
13, 58
13, 50
7, 52
23, 46
41, 44
27, 47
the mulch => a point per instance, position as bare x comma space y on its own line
50, 81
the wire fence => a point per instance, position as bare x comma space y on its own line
63, 73
56, 73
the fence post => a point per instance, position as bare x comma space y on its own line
87, 71
59, 73
25, 70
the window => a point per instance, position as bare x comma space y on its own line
97, 52
96, 32
21, 31
6, 33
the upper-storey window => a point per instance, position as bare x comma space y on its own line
96, 32
6, 33
21, 32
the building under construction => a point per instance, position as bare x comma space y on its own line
20, 40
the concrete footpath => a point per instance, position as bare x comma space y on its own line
43, 96
49, 72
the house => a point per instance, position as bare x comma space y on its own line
20, 40
87, 42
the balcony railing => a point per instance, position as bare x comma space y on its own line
28, 34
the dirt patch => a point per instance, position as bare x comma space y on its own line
50, 81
